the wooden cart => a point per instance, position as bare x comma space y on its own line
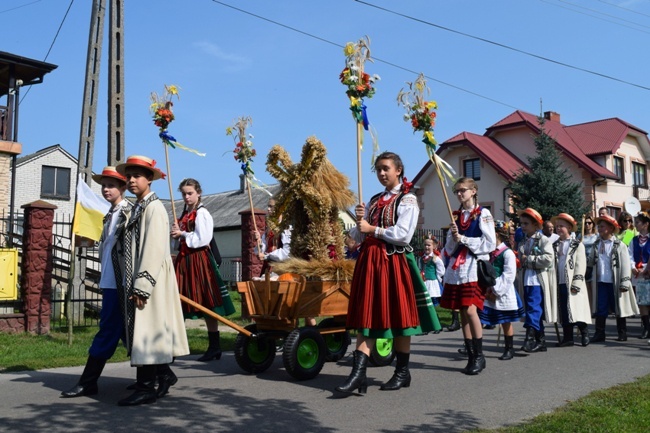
276, 308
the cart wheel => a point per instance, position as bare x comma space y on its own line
336, 344
304, 353
382, 354
254, 355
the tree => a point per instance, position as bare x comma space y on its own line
548, 187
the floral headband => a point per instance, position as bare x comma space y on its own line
501, 225
644, 214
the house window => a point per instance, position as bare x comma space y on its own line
618, 169
55, 182
639, 173
472, 168
614, 212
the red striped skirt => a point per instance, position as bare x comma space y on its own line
457, 296
197, 279
382, 294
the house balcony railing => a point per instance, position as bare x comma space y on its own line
642, 193
3, 122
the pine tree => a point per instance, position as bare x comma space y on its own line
548, 187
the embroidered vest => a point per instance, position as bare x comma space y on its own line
386, 216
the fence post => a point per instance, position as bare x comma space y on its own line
36, 265
250, 263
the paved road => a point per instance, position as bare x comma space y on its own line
219, 397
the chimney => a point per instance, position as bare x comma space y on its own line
552, 116
242, 183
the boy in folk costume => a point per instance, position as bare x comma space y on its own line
571, 264
154, 322
111, 324
536, 280
612, 284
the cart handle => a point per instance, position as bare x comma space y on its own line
221, 319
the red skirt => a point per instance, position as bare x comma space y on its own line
196, 278
457, 296
382, 294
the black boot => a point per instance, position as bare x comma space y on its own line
584, 334
567, 339
214, 348
463, 350
471, 354
621, 327
540, 342
508, 351
455, 322
166, 379
645, 321
599, 335
357, 378
401, 376
145, 388
529, 340
478, 363
87, 384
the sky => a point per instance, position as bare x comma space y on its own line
279, 62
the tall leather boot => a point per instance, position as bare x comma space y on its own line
645, 322
540, 342
357, 378
567, 338
455, 322
529, 340
584, 334
478, 363
145, 387
87, 384
401, 376
166, 379
599, 335
471, 354
508, 351
621, 327
214, 348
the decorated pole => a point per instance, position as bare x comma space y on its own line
163, 115
422, 115
244, 154
359, 85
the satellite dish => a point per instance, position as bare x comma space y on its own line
632, 206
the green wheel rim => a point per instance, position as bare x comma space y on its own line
384, 346
307, 353
255, 353
334, 342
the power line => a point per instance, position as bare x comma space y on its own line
546, 59
18, 7
624, 8
376, 59
51, 45
597, 17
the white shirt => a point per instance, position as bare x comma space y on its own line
530, 275
203, 230
604, 252
107, 279
562, 250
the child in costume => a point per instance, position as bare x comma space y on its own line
536, 280
610, 261
388, 298
502, 304
111, 324
434, 269
154, 323
639, 254
471, 238
571, 265
197, 272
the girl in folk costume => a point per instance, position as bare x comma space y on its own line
639, 254
434, 269
471, 237
197, 272
611, 277
571, 265
502, 304
154, 323
536, 280
388, 298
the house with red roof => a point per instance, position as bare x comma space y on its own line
609, 157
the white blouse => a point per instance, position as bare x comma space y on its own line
203, 230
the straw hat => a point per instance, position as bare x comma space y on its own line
141, 161
609, 220
108, 171
568, 218
533, 214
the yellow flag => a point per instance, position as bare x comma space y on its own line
88, 212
